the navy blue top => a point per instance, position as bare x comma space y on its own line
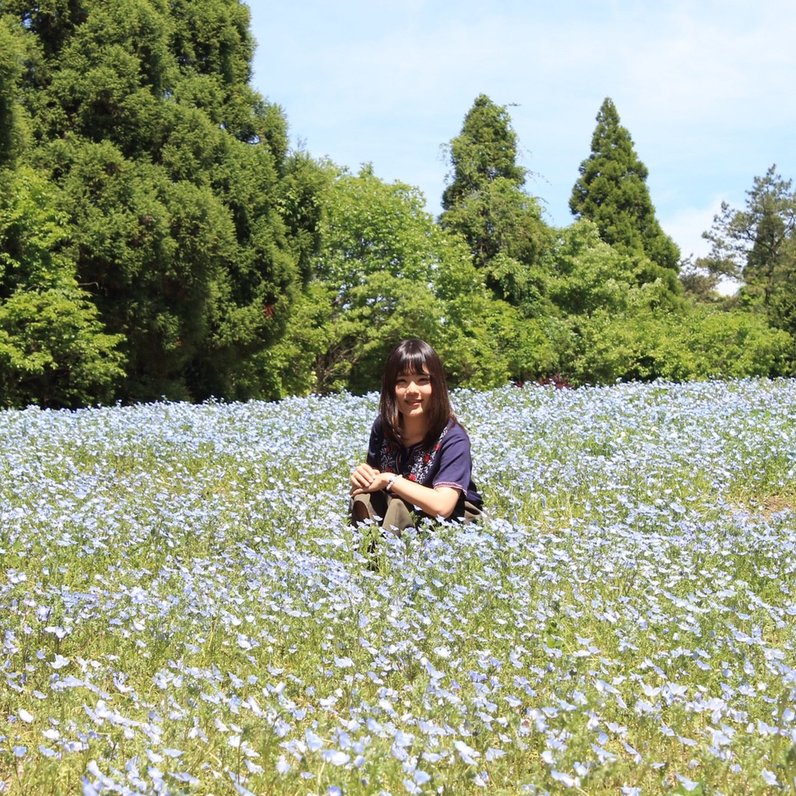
446, 462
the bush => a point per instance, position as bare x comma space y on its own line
697, 343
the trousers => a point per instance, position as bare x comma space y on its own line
396, 514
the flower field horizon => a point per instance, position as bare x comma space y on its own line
185, 609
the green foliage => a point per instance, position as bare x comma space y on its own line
699, 284
625, 327
53, 348
54, 352
484, 151
735, 345
586, 273
11, 65
485, 340
758, 245
698, 343
305, 358
373, 280
385, 271
754, 237
149, 249
158, 238
301, 208
485, 204
31, 234
185, 217
51, 22
612, 192
504, 230
371, 226
107, 79
213, 38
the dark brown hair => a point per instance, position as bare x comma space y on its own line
411, 357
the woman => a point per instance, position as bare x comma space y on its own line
419, 456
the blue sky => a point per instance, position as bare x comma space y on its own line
705, 88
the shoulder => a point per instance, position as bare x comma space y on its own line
455, 432
454, 439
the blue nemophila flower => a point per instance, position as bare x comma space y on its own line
687, 783
336, 757
188, 574
567, 780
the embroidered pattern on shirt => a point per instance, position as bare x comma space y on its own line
420, 462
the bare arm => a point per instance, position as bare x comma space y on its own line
436, 502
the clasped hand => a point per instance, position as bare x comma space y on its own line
367, 479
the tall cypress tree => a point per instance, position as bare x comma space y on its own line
485, 203
484, 151
612, 192
53, 348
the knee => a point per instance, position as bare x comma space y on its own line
398, 516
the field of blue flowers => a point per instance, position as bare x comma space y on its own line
184, 608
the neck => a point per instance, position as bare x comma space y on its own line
414, 430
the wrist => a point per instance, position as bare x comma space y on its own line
392, 478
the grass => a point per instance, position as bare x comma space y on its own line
185, 609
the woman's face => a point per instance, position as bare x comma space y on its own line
413, 393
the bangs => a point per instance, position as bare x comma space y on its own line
413, 363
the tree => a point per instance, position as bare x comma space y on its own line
484, 151
11, 64
386, 271
485, 203
757, 245
612, 192
179, 195
699, 284
699, 342
587, 274
54, 350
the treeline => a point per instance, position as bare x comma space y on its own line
158, 237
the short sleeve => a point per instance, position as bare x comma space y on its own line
455, 466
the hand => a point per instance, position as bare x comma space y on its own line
366, 479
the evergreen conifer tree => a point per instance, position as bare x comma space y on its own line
758, 246
172, 173
484, 151
11, 54
53, 348
612, 192
486, 204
